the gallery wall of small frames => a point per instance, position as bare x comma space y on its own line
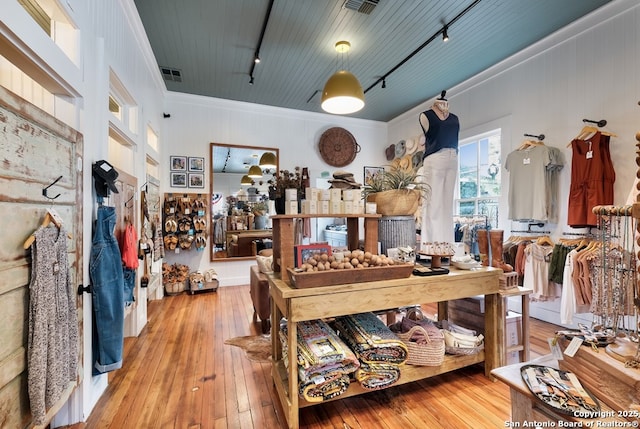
186, 172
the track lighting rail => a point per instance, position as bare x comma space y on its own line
422, 46
256, 56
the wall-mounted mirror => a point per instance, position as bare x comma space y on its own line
240, 205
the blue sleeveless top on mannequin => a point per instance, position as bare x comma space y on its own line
442, 134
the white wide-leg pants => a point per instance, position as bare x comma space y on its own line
440, 173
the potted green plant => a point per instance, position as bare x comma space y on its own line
396, 191
260, 208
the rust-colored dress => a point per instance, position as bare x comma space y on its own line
592, 178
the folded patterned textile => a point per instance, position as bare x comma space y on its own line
371, 340
373, 376
324, 360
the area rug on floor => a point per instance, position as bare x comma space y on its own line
256, 347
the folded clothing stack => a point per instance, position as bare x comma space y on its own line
460, 340
379, 350
324, 360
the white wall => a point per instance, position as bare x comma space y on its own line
196, 122
112, 40
589, 69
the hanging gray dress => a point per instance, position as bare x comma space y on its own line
52, 348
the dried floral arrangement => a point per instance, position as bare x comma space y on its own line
286, 179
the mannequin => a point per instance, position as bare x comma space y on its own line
441, 129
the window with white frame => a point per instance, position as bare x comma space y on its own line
479, 176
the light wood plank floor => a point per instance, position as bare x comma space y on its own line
179, 374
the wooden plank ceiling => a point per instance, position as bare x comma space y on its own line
212, 44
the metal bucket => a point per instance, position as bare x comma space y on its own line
396, 231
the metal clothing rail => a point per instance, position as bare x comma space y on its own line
530, 231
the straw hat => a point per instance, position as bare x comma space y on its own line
405, 162
422, 141
401, 148
412, 146
390, 152
416, 159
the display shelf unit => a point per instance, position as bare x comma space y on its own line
297, 305
283, 235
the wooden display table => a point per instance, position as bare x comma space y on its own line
298, 305
241, 242
526, 408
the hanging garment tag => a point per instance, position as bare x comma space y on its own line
589, 154
556, 351
526, 161
573, 346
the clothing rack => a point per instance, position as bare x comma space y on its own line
581, 234
473, 218
529, 231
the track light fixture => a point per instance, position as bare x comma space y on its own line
256, 59
384, 83
251, 81
444, 31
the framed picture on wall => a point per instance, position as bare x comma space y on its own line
179, 180
372, 173
196, 164
196, 180
178, 163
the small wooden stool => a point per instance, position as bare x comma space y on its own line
523, 347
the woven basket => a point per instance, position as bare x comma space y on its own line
396, 202
175, 287
464, 350
429, 353
454, 350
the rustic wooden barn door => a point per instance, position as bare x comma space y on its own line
36, 150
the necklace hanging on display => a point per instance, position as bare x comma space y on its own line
338, 147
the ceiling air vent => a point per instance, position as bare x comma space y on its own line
173, 75
362, 6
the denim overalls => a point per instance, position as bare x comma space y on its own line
107, 284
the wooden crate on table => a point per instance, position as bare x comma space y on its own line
508, 281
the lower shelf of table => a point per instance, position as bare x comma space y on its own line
408, 374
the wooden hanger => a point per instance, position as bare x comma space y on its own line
545, 240
588, 131
50, 217
530, 143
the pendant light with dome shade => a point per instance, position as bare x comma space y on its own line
342, 94
267, 160
255, 172
246, 181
